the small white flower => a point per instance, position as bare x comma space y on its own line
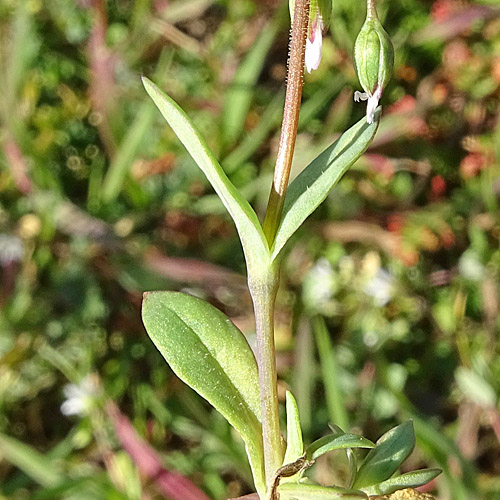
380, 287
79, 398
11, 249
320, 286
372, 103
314, 44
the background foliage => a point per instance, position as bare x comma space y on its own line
389, 302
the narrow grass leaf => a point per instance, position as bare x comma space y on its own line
330, 374
126, 153
35, 465
313, 184
212, 356
241, 90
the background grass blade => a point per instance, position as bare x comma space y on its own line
329, 369
32, 463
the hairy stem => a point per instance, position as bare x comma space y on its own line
290, 119
263, 290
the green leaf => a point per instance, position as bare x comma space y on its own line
248, 225
239, 95
126, 153
337, 442
305, 491
391, 450
212, 356
294, 443
412, 479
335, 401
39, 467
314, 183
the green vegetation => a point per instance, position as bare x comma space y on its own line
389, 298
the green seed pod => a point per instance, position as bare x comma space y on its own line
374, 59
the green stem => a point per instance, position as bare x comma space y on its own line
263, 283
293, 98
263, 290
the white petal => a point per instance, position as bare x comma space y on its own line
360, 96
372, 105
73, 406
314, 47
72, 391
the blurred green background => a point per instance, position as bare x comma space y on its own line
389, 299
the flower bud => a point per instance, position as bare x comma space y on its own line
319, 16
374, 59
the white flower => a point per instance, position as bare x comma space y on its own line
380, 287
319, 287
11, 249
372, 103
314, 43
80, 398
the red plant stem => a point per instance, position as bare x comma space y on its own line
171, 484
17, 164
102, 82
293, 98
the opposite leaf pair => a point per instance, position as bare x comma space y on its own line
373, 477
206, 351
304, 195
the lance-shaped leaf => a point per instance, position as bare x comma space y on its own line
294, 442
313, 184
207, 352
391, 450
412, 479
306, 491
337, 442
246, 221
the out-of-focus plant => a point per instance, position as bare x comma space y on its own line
211, 355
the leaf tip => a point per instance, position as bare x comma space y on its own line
150, 87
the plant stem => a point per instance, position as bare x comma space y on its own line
263, 290
293, 98
263, 283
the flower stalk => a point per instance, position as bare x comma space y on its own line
263, 284
290, 123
